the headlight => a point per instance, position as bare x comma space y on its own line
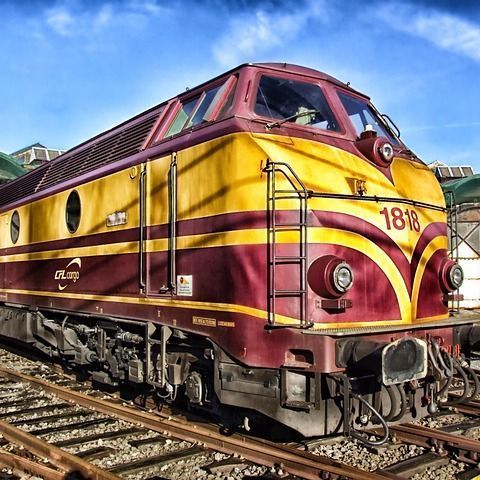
386, 151
451, 276
330, 276
377, 149
342, 277
456, 276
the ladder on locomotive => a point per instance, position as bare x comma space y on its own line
275, 198
453, 239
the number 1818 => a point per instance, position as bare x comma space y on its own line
400, 219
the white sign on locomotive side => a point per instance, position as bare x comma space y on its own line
185, 285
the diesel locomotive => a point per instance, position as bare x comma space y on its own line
262, 246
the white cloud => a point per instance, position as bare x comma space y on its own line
103, 18
69, 18
444, 30
257, 32
61, 21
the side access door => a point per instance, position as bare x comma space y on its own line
160, 222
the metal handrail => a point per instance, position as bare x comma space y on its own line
172, 220
452, 224
375, 198
141, 249
301, 193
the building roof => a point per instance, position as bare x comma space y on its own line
18, 152
465, 190
9, 168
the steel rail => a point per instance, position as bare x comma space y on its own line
61, 459
468, 409
471, 407
24, 465
468, 448
296, 462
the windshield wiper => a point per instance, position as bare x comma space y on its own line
279, 123
391, 125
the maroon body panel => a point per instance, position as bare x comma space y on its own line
235, 275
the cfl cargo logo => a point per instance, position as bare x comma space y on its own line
70, 274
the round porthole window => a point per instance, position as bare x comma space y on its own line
73, 211
15, 227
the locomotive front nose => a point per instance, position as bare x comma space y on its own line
404, 360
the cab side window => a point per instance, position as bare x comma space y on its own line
182, 117
209, 105
203, 107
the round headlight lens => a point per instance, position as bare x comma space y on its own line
456, 276
343, 277
451, 276
386, 151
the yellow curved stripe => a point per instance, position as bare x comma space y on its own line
431, 319
220, 307
375, 253
220, 239
438, 243
339, 325
160, 302
245, 237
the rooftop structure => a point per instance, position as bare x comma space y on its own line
446, 173
35, 155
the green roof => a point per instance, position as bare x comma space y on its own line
9, 168
465, 190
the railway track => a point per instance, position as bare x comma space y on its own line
51, 438
460, 439
456, 437
52, 426
53, 408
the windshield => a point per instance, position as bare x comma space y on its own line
362, 114
295, 102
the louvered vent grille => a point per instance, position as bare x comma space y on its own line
70, 165
22, 187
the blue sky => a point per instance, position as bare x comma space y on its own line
72, 68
